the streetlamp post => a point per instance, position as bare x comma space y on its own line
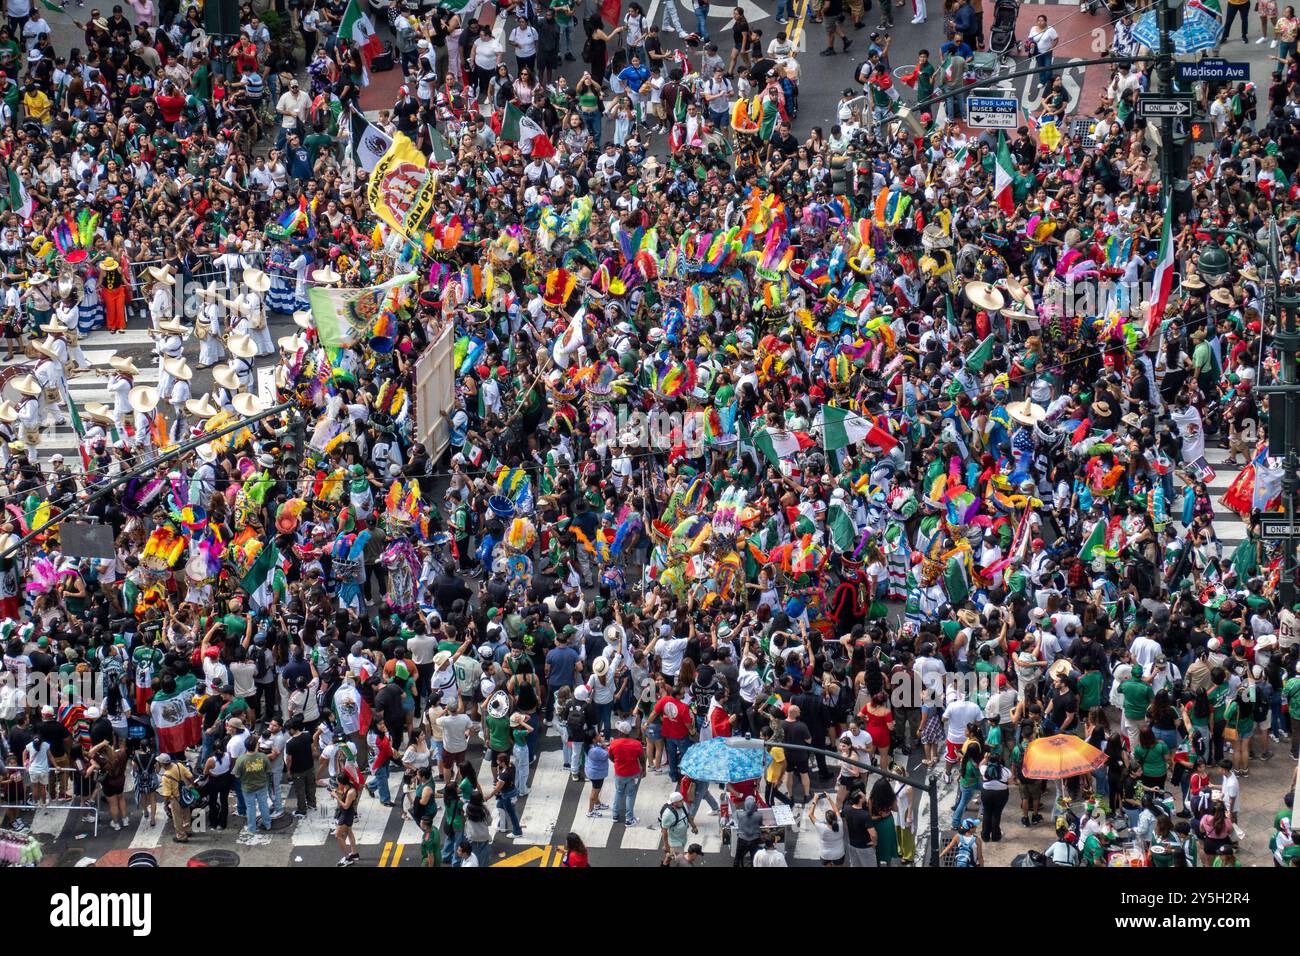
931, 785
1214, 265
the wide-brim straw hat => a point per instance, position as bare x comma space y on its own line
98, 412
242, 346
201, 407
1193, 281
289, 343
172, 326
162, 275
247, 404
8, 414
38, 278
302, 319
1026, 412
325, 276
984, 296
55, 328
257, 280
178, 368
225, 376
1015, 287
143, 398
26, 384
44, 349
124, 365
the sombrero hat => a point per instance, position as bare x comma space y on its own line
8, 414
38, 278
98, 412
1193, 281
1019, 315
302, 319
178, 368
172, 326
162, 275
209, 293
242, 346
201, 407
143, 398
325, 276
55, 328
106, 265
985, 296
1222, 296
123, 365
289, 343
45, 350
225, 376
1015, 287
257, 280
247, 404
1026, 412
26, 384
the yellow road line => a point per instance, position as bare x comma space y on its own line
397, 854
383, 857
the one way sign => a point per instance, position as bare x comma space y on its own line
1161, 107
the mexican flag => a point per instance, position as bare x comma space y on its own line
441, 149
1002, 177
1097, 539
257, 573
1164, 278
369, 142
16, 198
355, 27
841, 428
778, 443
176, 722
844, 534
977, 359
74, 417
517, 127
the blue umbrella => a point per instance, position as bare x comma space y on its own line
1202, 26
715, 762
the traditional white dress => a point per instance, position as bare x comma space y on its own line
169, 347
255, 306
180, 394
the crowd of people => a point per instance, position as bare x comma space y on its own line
887, 441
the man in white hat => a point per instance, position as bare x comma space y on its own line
120, 382
178, 393
29, 408
170, 346
162, 294
144, 410
243, 348
49, 373
253, 303
225, 383
209, 328
38, 298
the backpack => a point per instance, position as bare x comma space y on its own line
965, 851
576, 718
678, 815
993, 770
259, 665
1262, 704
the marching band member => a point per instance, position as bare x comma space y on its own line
243, 349
254, 302
120, 382
162, 295
171, 345
225, 385
29, 408
178, 393
208, 328
49, 374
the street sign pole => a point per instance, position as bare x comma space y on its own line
1165, 73
1284, 403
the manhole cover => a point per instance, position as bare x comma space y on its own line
215, 858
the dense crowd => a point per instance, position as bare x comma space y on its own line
886, 441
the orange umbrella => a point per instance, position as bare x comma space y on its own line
1060, 756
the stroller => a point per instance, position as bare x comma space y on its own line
1002, 36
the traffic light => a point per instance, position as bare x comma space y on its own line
291, 448
1200, 131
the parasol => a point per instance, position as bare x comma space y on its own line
1060, 756
1201, 29
715, 762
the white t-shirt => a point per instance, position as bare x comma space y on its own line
670, 653
830, 842
957, 716
524, 41
486, 53
347, 701
1044, 40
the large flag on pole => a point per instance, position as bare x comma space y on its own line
355, 27
369, 142
1164, 277
16, 198
1003, 172
402, 187
332, 309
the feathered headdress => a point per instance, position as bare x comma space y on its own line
74, 237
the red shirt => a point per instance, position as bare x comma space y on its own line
675, 715
575, 858
170, 107
720, 722
625, 753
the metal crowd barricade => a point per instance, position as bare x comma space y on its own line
202, 272
92, 809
